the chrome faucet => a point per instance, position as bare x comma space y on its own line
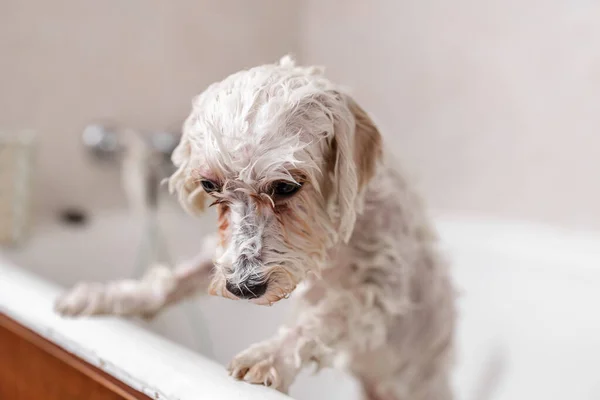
145, 161
148, 156
107, 143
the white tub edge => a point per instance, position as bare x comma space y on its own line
148, 363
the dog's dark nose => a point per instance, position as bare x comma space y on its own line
248, 289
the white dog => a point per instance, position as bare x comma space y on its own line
297, 173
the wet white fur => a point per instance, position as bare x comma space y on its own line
377, 298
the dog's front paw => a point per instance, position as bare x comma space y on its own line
263, 364
82, 299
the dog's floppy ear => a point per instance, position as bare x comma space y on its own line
355, 151
368, 150
190, 193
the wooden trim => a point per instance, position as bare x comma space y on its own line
59, 373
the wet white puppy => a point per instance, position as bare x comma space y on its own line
296, 171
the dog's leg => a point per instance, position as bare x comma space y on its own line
160, 286
317, 332
274, 362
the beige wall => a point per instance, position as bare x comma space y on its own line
494, 105
138, 63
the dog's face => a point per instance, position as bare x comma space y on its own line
284, 157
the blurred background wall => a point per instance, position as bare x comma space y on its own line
136, 63
493, 106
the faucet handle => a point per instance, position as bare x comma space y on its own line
164, 143
108, 144
102, 142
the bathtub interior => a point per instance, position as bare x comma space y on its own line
106, 248
528, 326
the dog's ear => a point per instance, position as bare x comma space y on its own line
190, 193
368, 149
355, 151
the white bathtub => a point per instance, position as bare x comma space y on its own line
529, 326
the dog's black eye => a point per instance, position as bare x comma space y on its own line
210, 186
284, 188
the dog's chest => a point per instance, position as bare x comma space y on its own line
334, 278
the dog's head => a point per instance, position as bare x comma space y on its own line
284, 156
